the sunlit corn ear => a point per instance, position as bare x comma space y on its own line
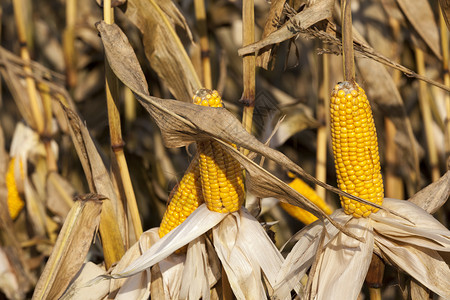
299, 213
355, 148
186, 196
15, 202
221, 175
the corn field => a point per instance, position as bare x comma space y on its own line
227, 149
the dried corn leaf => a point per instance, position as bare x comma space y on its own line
432, 197
96, 173
445, 7
183, 123
315, 12
421, 17
70, 249
156, 20
99, 182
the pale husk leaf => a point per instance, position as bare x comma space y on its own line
146, 239
425, 265
253, 237
426, 232
195, 284
136, 287
200, 221
302, 254
80, 290
244, 274
343, 264
172, 271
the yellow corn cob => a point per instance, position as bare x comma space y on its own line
355, 148
15, 202
185, 198
221, 175
299, 213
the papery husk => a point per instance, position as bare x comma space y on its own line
425, 232
301, 256
424, 264
146, 240
79, 290
243, 274
136, 287
201, 259
172, 270
239, 240
343, 264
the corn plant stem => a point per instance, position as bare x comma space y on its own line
116, 135
322, 131
36, 111
375, 294
69, 43
47, 132
445, 58
424, 101
347, 41
249, 64
200, 14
